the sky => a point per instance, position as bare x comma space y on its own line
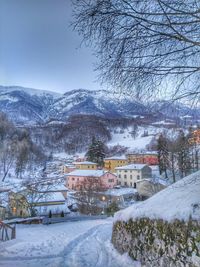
39, 49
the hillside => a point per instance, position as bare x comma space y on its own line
31, 106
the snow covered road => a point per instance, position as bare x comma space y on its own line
78, 244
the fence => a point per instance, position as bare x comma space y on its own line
47, 220
7, 232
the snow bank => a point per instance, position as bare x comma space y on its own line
179, 201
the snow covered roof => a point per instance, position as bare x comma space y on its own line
49, 197
154, 181
85, 163
116, 158
143, 153
178, 201
120, 191
69, 166
94, 173
132, 167
163, 123
154, 167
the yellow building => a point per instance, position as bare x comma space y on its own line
195, 139
111, 163
85, 165
67, 168
18, 205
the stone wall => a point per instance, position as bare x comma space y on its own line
159, 243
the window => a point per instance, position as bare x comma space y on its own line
131, 176
125, 176
73, 178
110, 180
119, 175
138, 177
131, 184
125, 183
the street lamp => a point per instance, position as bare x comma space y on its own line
103, 199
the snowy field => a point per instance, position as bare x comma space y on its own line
140, 142
72, 244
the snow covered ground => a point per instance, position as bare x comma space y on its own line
71, 244
123, 137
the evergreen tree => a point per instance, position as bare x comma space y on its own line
184, 161
62, 214
50, 214
96, 152
163, 155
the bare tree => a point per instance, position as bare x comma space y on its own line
87, 195
37, 191
7, 157
144, 45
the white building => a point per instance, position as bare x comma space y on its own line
129, 175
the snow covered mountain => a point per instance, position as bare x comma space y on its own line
174, 109
25, 105
101, 103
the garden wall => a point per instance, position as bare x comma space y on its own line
158, 242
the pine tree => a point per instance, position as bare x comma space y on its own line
96, 152
163, 155
62, 214
184, 161
50, 214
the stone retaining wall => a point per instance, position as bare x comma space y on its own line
159, 243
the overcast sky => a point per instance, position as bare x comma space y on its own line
38, 48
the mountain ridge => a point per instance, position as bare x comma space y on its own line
32, 106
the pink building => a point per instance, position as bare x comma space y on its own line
98, 179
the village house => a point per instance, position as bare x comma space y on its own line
53, 202
150, 158
195, 137
77, 179
4, 207
45, 198
148, 187
18, 205
113, 162
129, 175
119, 196
85, 165
66, 168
